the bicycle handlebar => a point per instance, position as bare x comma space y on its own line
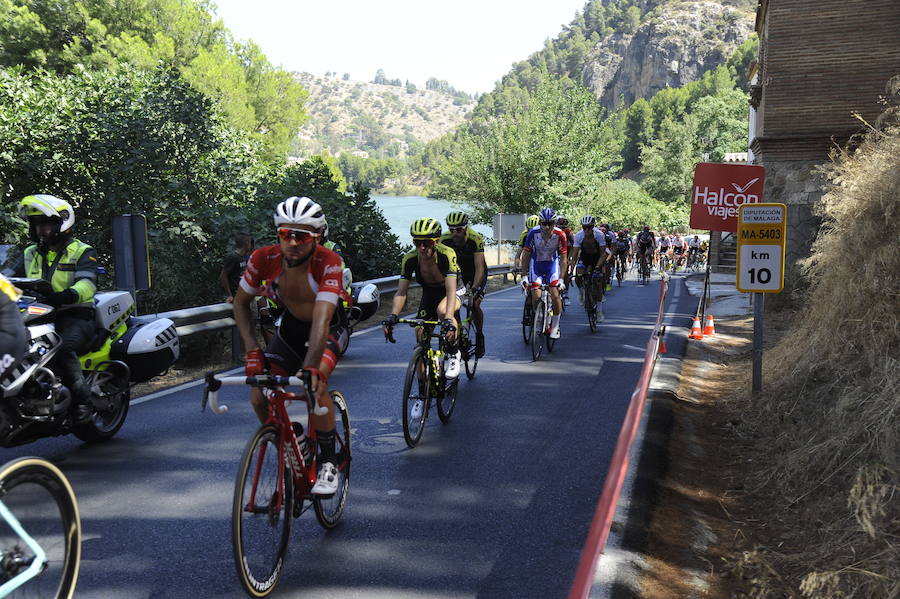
214, 383
446, 326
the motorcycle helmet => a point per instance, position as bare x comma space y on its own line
366, 299
38, 207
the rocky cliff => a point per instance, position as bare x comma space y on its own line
674, 45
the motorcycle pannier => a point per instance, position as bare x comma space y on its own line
147, 349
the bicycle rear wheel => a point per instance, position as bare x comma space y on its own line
38, 496
590, 308
261, 514
330, 509
470, 357
415, 397
537, 331
527, 319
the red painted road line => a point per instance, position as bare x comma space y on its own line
618, 466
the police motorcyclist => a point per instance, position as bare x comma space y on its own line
70, 266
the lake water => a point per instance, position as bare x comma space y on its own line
401, 211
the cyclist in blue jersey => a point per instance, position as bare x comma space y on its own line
545, 249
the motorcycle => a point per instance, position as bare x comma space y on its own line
125, 349
365, 301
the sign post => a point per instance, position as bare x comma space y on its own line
760, 265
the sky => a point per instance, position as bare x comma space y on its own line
470, 44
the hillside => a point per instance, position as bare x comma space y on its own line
381, 120
628, 49
674, 45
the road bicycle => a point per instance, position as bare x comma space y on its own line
277, 471
425, 381
644, 269
664, 263
621, 268
541, 324
468, 331
527, 313
592, 295
40, 545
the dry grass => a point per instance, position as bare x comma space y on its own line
829, 432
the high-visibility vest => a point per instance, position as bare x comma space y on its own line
75, 267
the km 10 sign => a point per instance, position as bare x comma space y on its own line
719, 190
760, 255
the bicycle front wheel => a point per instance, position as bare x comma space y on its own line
261, 514
527, 319
537, 331
330, 509
416, 391
36, 496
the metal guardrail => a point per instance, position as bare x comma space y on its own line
214, 317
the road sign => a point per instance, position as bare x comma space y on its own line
508, 227
760, 255
720, 189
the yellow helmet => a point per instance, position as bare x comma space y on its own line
426, 227
532, 221
457, 219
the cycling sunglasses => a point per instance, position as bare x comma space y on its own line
457, 228
547, 223
425, 243
301, 237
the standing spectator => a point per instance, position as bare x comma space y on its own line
234, 264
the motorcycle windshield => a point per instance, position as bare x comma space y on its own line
8, 256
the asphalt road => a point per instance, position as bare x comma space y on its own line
496, 504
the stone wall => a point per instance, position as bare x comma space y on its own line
799, 185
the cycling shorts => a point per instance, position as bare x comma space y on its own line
588, 260
431, 298
287, 349
543, 272
643, 249
679, 250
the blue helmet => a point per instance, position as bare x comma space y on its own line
548, 215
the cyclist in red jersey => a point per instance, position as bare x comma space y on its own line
305, 278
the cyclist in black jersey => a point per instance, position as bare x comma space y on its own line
435, 267
469, 248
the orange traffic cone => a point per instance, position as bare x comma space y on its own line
710, 328
662, 346
696, 332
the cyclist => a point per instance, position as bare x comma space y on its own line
679, 248
622, 249
305, 279
693, 249
545, 250
607, 264
563, 223
589, 246
435, 267
70, 266
704, 255
646, 245
469, 247
12, 328
530, 223
662, 247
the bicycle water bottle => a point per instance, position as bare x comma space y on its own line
303, 442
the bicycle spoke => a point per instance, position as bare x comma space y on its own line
261, 514
330, 509
40, 500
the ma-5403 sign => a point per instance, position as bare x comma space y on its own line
760, 256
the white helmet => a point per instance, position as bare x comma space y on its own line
299, 211
588, 221
48, 205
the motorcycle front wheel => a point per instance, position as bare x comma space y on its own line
110, 394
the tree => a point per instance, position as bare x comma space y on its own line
668, 162
512, 164
638, 132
